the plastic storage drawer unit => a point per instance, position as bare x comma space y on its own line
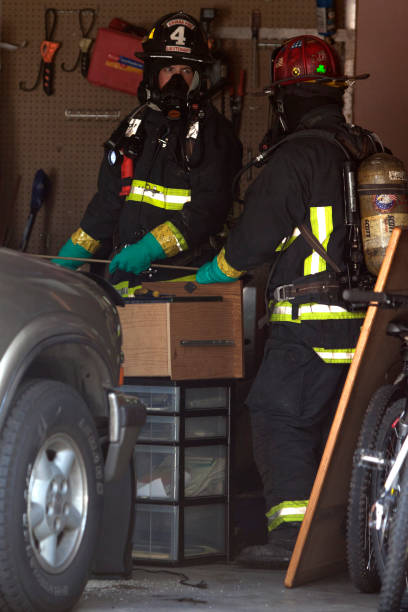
181, 462
160, 536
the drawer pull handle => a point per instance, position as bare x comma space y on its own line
207, 342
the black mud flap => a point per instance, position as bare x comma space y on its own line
113, 557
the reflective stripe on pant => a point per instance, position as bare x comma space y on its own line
286, 512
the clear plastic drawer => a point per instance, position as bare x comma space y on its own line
160, 429
155, 534
203, 398
156, 531
164, 399
205, 470
156, 470
204, 530
205, 427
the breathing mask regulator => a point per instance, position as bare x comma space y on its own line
173, 98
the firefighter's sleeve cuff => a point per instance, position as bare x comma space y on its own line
85, 241
211, 272
225, 267
170, 238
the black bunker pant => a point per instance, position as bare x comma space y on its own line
292, 403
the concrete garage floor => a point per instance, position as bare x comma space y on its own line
229, 587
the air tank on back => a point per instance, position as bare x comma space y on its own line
382, 186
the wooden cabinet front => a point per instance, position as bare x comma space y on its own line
185, 340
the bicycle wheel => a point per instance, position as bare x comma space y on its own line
388, 443
361, 559
394, 580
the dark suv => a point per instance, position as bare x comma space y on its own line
66, 432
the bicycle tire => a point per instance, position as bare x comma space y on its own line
394, 576
361, 559
386, 443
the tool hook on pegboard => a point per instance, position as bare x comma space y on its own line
85, 42
48, 49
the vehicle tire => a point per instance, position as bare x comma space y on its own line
388, 443
361, 561
394, 581
51, 498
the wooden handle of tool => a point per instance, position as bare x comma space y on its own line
93, 260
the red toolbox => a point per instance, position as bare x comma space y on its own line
113, 62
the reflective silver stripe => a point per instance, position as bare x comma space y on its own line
283, 312
193, 130
335, 355
164, 198
290, 511
309, 308
287, 242
170, 198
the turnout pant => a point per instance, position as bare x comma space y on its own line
292, 403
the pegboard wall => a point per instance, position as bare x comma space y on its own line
36, 131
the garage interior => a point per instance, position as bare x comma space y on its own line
63, 134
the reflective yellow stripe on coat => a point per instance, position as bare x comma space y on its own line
157, 195
321, 221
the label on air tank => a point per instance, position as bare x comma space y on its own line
385, 201
397, 175
378, 228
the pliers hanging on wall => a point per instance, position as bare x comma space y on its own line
48, 50
85, 42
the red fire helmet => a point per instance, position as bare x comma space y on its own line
307, 58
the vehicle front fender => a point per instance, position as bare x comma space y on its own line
44, 334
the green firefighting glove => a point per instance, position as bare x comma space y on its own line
138, 257
211, 273
71, 250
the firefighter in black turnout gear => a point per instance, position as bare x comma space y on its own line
164, 187
311, 338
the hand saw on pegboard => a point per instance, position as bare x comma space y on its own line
48, 49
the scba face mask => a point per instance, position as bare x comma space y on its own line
173, 97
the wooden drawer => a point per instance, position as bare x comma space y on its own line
185, 340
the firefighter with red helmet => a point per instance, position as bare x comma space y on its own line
164, 187
293, 218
